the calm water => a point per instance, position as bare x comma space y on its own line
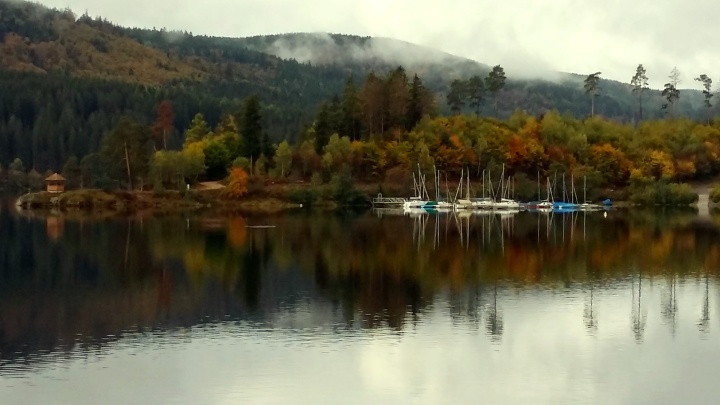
359, 309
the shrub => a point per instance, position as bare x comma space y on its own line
306, 196
344, 192
715, 193
663, 193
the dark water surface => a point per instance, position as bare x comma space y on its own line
360, 309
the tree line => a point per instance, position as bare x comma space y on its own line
639, 85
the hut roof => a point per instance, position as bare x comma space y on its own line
55, 177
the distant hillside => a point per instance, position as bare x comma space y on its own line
66, 80
564, 92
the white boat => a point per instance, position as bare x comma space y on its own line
418, 200
506, 204
414, 202
484, 203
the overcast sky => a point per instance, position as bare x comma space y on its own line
579, 36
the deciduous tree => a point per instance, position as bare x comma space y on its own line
237, 183
164, 123
283, 158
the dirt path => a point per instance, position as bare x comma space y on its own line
209, 185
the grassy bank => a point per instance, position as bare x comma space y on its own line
93, 199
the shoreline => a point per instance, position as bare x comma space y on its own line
134, 201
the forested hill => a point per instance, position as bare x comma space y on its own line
66, 80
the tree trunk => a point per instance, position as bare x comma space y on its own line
127, 165
164, 138
640, 99
592, 105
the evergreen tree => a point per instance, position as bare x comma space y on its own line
198, 130
671, 93
495, 82
457, 95
640, 83
373, 99
592, 88
251, 129
707, 92
419, 105
397, 98
323, 128
476, 93
72, 172
126, 149
351, 111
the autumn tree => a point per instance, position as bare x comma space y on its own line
164, 123
127, 149
283, 158
372, 98
611, 163
707, 91
337, 153
671, 92
308, 156
456, 96
639, 82
476, 93
494, 82
592, 88
237, 183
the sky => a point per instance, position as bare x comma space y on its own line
577, 36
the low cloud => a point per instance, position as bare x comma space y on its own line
528, 37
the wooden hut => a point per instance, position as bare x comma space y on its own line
55, 183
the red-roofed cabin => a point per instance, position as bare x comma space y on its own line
55, 183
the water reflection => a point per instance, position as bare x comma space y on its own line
71, 283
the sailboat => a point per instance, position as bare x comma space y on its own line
417, 201
484, 202
587, 206
564, 206
463, 203
438, 204
542, 204
505, 203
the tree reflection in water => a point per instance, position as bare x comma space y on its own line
99, 278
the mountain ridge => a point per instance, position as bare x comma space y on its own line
67, 79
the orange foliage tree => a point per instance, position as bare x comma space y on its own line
237, 185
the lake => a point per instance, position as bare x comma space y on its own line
617, 307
